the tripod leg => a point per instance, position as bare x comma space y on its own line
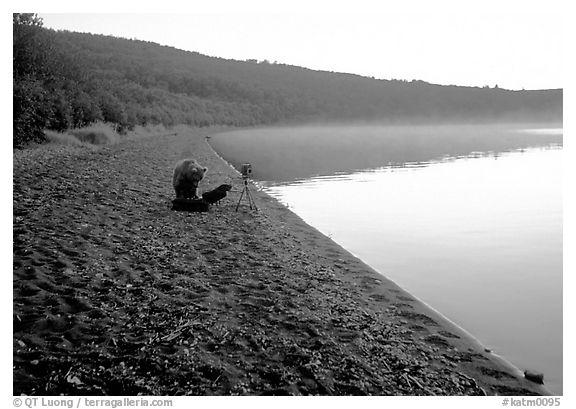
251, 201
239, 200
249, 196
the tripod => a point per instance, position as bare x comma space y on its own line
248, 195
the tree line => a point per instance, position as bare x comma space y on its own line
64, 80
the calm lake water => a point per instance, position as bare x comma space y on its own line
477, 235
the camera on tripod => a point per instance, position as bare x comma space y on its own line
246, 170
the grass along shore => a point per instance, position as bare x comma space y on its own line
116, 294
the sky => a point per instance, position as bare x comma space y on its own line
513, 48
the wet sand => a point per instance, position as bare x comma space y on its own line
116, 294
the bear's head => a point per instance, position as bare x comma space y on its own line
197, 173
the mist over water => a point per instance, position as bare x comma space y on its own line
290, 153
467, 218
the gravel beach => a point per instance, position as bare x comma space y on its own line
117, 294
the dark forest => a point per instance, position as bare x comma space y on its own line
64, 80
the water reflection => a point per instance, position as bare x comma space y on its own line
355, 175
542, 131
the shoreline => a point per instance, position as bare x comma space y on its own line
114, 293
467, 340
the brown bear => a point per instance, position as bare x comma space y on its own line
187, 174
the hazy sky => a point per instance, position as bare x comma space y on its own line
514, 50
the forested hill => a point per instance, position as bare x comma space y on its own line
66, 79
